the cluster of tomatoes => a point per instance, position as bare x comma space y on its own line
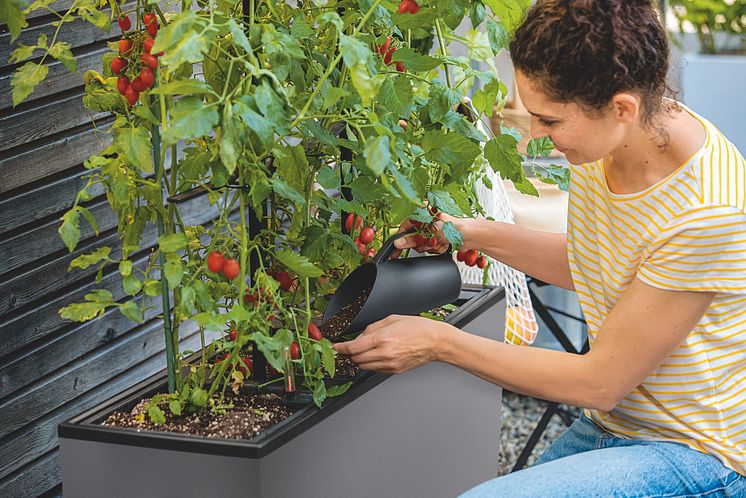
471, 257
387, 52
142, 75
217, 263
366, 236
408, 6
427, 232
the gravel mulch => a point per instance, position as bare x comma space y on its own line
520, 414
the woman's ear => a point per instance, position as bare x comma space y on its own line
626, 107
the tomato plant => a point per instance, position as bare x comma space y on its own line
272, 109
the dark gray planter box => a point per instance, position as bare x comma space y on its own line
430, 432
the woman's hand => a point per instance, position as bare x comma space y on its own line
410, 241
395, 344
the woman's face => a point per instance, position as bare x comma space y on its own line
582, 137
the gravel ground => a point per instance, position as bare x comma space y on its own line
520, 414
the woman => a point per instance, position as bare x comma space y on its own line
656, 251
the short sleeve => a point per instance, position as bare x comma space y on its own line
702, 249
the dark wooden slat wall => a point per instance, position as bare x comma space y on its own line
52, 369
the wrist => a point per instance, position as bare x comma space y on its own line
469, 228
442, 335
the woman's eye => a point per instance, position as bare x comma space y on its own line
547, 123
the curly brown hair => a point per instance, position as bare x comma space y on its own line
585, 51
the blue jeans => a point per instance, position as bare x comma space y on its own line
588, 461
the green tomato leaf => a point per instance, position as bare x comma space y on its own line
260, 125
155, 414
338, 390
524, 186
359, 60
174, 271
453, 235
70, 228
443, 201
299, 264
131, 310
327, 356
378, 154
22, 53
25, 79
82, 312
11, 14
497, 35
190, 118
414, 61
172, 242
125, 268
134, 144
183, 87
328, 178
503, 157
199, 397
449, 148
175, 406
62, 51
131, 285
485, 98
86, 260
396, 96
319, 392
316, 243
555, 175
286, 191
293, 169
510, 12
541, 146
230, 147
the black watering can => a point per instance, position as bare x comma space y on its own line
384, 287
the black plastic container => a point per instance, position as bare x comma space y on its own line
406, 286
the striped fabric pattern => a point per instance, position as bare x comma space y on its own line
687, 232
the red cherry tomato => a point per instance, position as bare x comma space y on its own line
148, 18
148, 44
387, 57
314, 332
481, 262
251, 298
117, 65
413, 7
150, 60
471, 257
400, 67
385, 47
152, 28
232, 334
247, 361
367, 235
371, 252
403, 6
138, 85
294, 350
352, 218
419, 239
125, 46
432, 242
285, 281
147, 77
361, 248
461, 254
131, 95
231, 268
124, 23
215, 261
122, 83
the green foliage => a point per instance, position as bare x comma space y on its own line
276, 110
710, 17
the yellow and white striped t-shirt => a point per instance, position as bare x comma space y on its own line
687, 232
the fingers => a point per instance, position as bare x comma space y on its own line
356, 346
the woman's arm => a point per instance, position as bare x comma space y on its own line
543, 255
642, 330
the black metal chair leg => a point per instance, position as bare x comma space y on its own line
535, 436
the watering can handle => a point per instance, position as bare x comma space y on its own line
388, 247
